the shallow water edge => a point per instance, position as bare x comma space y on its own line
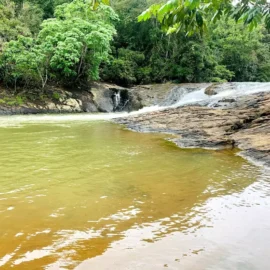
77, 193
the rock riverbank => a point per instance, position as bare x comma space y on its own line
97, 97
242, 123
231, 122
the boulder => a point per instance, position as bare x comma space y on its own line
72, 104
211, 90
51, 106
103, 99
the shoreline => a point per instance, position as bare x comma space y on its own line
244, 125
239, 152
241, 122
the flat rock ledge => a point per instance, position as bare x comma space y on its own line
243, 124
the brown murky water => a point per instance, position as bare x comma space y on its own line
81, 194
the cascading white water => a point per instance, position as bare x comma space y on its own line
228, 90
198, 96
185, 97
117, 99
192, 97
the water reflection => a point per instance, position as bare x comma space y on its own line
228, 232
91, 195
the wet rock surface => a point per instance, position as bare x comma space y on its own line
165, 94
98, 97
244, 123
210, 90
101, 97
113, 98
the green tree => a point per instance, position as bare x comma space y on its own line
48, 6
69, 47
237, 54
241, 51
19, 66
31, 15
10, 25
124, 69
80, 37
174, 57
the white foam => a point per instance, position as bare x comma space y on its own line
232, 90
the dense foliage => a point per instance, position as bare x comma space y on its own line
70, 42
68, 47
143, 53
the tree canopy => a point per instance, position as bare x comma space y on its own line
69, 47
75, 42
143, 53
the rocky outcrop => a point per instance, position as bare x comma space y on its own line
150, 95
50, 100
98, 97
164, 94
244, 123
114, 98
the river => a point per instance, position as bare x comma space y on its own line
79, 192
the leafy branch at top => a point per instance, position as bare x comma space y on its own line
193, 16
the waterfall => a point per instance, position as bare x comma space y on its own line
177, 97
225, 90
116, 99
195, 94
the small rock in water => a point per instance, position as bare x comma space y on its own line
210, 90
228, 100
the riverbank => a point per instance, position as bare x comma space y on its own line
93, 98
213, 116
242, 122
